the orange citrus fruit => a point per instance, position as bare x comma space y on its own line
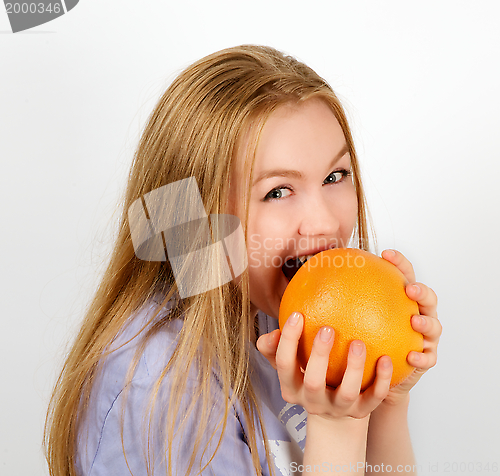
361, 296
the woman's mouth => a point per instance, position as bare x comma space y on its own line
291, 266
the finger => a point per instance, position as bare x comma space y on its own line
315, 373
376, 392
428, 326
425, 297
286, 357
399, 260
423, 360
348, 391
267, 344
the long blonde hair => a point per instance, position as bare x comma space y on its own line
194, 131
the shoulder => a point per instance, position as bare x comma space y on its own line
124, 382
118, 431
130, 345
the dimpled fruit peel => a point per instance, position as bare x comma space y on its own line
361, 296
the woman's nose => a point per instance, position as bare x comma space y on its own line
318, 218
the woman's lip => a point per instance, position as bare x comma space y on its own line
290, 270
295, 263
310, 252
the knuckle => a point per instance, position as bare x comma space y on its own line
424, 290
320, 349
282, 365
348, 396
434, 296
398, 262
288, 396
311, 386
355, 362
379, 393
336, 414
439, 328
406, 266
429, 295
313, 409
289, 334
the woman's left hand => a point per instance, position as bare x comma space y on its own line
426, 323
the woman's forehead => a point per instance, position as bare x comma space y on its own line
298, 137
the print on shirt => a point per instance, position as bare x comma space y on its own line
294, 417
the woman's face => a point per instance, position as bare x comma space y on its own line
302, 199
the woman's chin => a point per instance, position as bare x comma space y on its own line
270, 303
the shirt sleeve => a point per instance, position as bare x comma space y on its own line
111, 458
114, 439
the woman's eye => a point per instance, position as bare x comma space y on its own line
283, 192
337, 176
276, 193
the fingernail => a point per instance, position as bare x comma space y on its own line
416, 288
325, 334
357, 348
294, 319
270, 339
419, 321
391, 253
386, 363
416, 356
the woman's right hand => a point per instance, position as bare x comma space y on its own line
309, 388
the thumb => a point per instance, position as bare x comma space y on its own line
267, 344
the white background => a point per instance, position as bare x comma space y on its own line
420, 82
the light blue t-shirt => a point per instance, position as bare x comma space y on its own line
99, 446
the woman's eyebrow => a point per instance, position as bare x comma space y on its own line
295, 173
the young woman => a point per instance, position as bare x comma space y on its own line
160, 381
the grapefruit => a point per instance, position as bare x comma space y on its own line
361, 296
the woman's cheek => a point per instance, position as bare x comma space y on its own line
346, 208
254, 259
